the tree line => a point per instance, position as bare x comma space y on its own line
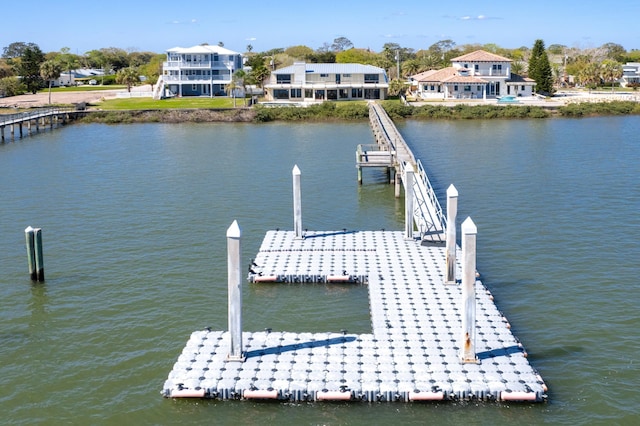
25, 68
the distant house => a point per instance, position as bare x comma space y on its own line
630, 74
303, 82
476, 75
69, 78
199, 70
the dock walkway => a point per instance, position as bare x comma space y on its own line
413, 352
38, 117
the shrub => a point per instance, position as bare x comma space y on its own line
11, 86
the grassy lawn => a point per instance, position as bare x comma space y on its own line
85, 88
172, 103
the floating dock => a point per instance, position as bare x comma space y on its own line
412, 353
435, 332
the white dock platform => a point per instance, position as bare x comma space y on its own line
412, 353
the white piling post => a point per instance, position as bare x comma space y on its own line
452, 211
235, 293
408, 203
297, 203
31, 254
468, 335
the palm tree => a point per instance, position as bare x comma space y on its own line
49, 71
231, 91
128, 76
611, 71
589, 75
68, 60
239, 78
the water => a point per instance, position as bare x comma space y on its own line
134, 220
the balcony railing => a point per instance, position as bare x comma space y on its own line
192, 78
198, 64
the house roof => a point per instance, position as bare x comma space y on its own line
206, 49
330, 69
481, 56
446, 75
518, 79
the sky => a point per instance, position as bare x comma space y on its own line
158, 25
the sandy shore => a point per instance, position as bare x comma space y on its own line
42, 98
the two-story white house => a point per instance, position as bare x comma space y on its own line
630, 74
476, 75
309, 82
199, 70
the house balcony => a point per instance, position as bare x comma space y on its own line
202, 79
491, 73
197, 65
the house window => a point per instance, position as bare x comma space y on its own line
476, 67
371, 78
522, 87
455, 88
356, 93
346, 75
283, 78
467, 88
296, 93
280, 94
497, 67
479, 88
343, 93
194, 87
324, 75
433, 87
308, 93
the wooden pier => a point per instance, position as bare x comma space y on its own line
34, 119
431, 339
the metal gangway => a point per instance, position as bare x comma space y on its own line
428, 216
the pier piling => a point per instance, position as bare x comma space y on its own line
297, 202
235, 292
408, 203
35, 258
452, 211
468, 346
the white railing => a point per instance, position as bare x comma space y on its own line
8, 119
200, 78
197, 64
125, 95
427, 213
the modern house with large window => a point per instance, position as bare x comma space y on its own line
199, 70
476, 75
630, 74
303, 82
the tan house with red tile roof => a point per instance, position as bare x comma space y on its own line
476, 75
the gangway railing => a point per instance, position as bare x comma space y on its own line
8, 119
428, 216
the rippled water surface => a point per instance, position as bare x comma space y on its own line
134, 220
